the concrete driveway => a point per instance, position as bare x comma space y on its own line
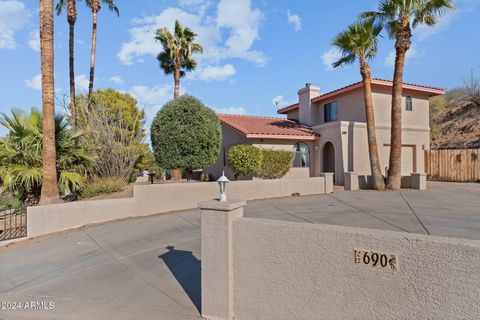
149, 268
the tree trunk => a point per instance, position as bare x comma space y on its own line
92, 56
72, 19
176, 173
176, 78
377, 179
49, 183
402, 44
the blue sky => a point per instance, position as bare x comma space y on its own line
256, 52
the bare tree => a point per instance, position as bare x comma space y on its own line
470, 94
115, 145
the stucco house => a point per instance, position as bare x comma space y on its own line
328, 131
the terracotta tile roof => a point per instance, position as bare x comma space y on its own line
267, 127
431, 91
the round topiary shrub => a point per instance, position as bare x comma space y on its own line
244, 160
275, 164
186, 135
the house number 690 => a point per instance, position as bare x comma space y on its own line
376, 259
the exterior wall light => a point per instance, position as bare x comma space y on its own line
223, 182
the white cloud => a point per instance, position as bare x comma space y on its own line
295, 20
117, 80
142, 33
329, 57
199, 6
191, 3
13, 17
81, 82
411, 54
228, 32
231, 110
35, 82
34, 40
244, 23
279, 101
152, 98
213, 73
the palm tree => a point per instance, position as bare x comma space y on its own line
94, 5
176, 57
359, 41
400, 17
72, 19
49, 191
21, 163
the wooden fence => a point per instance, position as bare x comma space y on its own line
453, 165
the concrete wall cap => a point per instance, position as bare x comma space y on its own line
216, 205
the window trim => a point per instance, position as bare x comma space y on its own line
408, 103
325, 113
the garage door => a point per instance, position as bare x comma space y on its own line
408, 158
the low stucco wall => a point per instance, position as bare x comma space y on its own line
153, 199
298, 173
289, 270
354, 181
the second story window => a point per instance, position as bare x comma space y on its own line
330, 111
408, 104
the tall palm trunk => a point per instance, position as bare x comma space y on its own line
95, 9
176, 78
72, 19
402, 44
49, 184
176, 174
377, 179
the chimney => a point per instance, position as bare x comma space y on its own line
307, 115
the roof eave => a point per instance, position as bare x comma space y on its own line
287, 109
281, 137
431, 92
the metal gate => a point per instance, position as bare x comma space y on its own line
13, 223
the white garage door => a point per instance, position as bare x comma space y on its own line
408, 158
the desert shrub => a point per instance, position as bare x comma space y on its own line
115, 135
152, 166
244, 160
275, 164
9, 201
186, 135
100, 186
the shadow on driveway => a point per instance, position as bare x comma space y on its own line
186, 269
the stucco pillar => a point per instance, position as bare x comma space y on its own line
351, 181
418, 181
328, 180
217, 257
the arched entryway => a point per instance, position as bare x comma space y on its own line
328, 157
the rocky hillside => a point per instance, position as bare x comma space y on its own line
455, 118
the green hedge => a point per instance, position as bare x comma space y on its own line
244, 160
275, 164
186, 135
